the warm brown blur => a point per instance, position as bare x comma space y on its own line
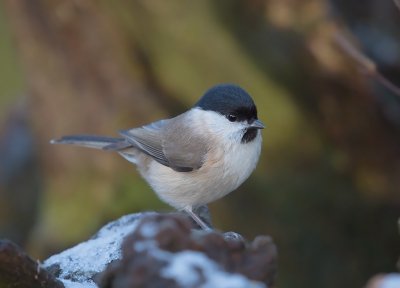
327, 185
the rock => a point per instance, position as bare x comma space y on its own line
17, 270
80, 264
163, 252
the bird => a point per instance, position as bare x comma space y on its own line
196, 157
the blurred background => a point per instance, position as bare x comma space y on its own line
327, 187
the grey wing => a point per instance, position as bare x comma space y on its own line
147, 139
182, 146
169, 142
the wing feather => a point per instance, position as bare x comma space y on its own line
147, 139
170, 142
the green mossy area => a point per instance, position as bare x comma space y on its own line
11, 83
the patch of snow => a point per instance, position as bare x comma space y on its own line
391, 280
70, 284
81, 263
189, 268
78, 265
149, 230
140, 246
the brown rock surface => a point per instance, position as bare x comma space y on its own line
18, 270
150, 250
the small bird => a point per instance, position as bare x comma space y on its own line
196, 157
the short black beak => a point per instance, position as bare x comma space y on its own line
257, 125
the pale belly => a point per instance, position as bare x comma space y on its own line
232, 166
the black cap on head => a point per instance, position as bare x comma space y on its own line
227, 99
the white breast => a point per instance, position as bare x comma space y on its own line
240, 161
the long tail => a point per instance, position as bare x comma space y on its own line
92, 141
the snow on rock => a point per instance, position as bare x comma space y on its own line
83, 284
164, 252
158, 250
391, 280
189, 268
77, 266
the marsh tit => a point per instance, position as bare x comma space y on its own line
196, 157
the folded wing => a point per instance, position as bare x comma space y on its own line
170, 142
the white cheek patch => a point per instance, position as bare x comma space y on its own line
217, 124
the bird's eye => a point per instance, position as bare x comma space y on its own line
232, 117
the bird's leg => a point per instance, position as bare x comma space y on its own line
196, 218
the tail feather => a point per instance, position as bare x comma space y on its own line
92, 141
